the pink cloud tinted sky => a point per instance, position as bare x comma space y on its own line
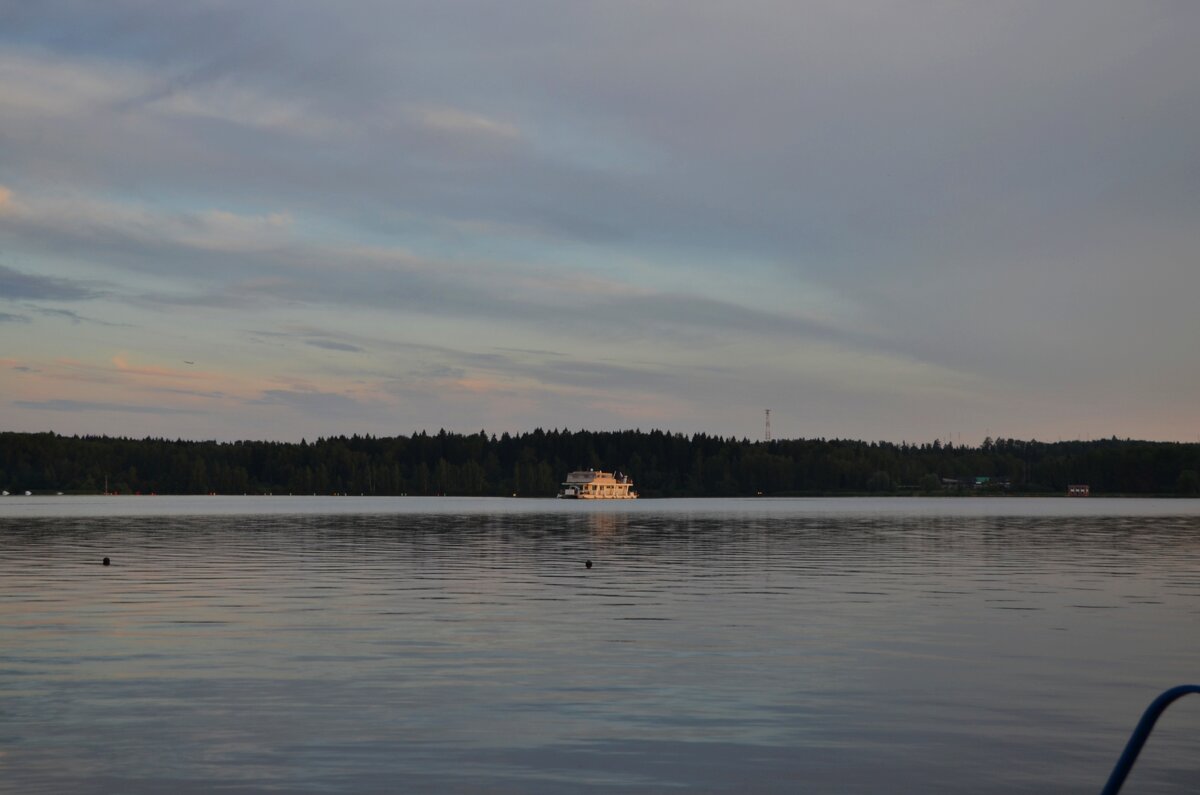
896, 221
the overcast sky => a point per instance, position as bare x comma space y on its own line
881, 220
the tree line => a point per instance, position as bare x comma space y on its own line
532, 464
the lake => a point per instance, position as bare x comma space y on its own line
265, 644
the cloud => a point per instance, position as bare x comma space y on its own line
242, 107
74, 317
311, 402
388, 278
534, 351
96, 227
122, 365
197, 393
16, 285
44, 87
459, 122
331, 345
54, 89
17, 365
9, 317
76, 406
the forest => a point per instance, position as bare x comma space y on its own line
532, 464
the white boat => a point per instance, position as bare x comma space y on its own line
591, 484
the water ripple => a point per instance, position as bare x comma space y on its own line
713, 646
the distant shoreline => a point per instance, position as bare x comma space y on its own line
533, 464
830, 495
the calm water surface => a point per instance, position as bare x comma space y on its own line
417, 644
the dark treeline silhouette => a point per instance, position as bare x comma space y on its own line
532, 464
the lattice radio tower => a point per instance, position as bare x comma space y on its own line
767, 430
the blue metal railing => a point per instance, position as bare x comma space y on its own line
1141, 734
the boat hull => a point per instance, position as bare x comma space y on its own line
632, 496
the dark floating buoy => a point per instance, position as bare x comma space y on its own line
106, 562
586, 563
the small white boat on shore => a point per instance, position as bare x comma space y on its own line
591, 484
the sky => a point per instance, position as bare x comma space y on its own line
882, 219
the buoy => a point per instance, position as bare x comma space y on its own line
106, 562
588, 564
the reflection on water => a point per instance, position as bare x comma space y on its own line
461, 646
